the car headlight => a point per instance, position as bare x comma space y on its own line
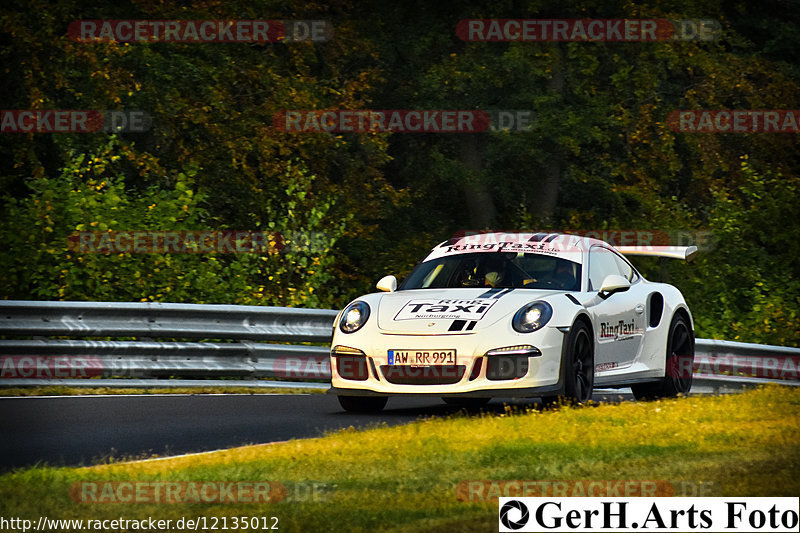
531, 317
355, 315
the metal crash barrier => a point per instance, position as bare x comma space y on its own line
186, 345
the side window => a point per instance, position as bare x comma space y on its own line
602, 262
626, 270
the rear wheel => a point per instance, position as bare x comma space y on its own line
680, 358
363, 404
578, 371
466, 403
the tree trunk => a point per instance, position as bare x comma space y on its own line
547, 200
480, 206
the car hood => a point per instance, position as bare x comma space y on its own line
450, 311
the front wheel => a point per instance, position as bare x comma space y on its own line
363, 404
578, 368
680, 358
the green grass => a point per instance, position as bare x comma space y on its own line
405, 478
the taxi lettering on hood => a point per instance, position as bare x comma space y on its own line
437, 309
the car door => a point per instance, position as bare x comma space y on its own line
619, 318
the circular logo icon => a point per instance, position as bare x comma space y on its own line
524, 515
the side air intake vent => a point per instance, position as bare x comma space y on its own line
655, 308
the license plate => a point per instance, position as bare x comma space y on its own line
422, 357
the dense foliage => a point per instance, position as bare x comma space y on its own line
354, 206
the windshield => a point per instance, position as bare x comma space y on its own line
501, 269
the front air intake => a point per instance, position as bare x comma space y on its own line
503, 367
423, 375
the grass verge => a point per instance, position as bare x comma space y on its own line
405, 478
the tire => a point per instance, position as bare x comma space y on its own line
677, 378
467, 403
578, 371
580, 360
363, 404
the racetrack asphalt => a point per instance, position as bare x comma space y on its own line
85, 430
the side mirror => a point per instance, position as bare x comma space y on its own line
387, 284
614, 283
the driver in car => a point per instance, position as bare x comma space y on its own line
562, 277
494, 272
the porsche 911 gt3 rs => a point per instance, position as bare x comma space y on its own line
515, 314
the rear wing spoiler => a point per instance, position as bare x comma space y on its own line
675, 252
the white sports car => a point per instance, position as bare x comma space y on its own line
515, 314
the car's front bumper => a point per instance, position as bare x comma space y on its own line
537, 375
529, 392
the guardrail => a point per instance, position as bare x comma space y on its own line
152, 319
236, 347
724, 365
